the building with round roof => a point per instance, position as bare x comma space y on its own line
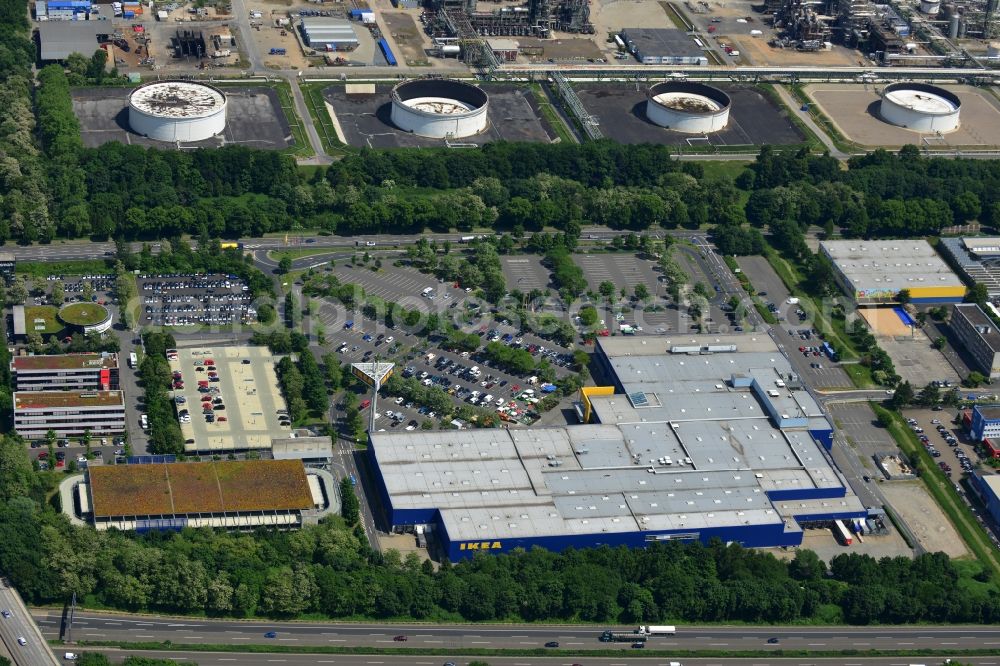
683, 106
177, 111
920, 107
86, 317
439, 108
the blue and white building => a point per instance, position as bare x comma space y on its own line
985, 422
987, 487
705, 437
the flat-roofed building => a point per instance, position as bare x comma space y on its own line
66, 372
68, 413
985, 423
873, 272
700, 437
979, 336
977, 259
333, 34
8, 264
234, 495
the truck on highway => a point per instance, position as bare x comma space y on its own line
610, 636
657, 630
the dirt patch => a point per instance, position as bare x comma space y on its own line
758, 52
924, 517
408, 38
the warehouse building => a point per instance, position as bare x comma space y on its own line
58, 39
697, 439
663, 46
329, 34
987, 488
874, 272
979, 336
235, 495
68, 413
66, 372
977, 260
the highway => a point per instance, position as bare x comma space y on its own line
35, 651
90, 626
252, 659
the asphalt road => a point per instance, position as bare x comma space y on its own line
236, 658
35, 651
107, 627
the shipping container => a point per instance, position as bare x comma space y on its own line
387, 52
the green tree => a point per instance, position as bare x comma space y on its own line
977, 294
975, 379
903, 296
641, 292
940, 342
903, 396
284, 264
589, 316
58, 294
88, 290
350, 506
607, 290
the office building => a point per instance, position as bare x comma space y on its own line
979, 336
66, 372
68, 413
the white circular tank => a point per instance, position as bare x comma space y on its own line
439, 108
930, 7
177, 111
920, 107
693, 108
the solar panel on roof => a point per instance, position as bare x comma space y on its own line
638, 399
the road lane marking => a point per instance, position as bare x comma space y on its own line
288, 639
193, 637
145, 636
94, 634
337, 640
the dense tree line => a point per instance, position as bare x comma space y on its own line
303, 384
154, 373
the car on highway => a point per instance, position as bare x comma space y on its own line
271, 634
400, 638
71, 656
21, 640
5, 612
773, 641
552, 644
639, 645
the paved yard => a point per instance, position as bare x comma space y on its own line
924, 517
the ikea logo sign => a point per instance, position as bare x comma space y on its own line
479, 545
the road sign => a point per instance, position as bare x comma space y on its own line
372, 374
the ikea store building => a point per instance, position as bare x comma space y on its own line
699, 437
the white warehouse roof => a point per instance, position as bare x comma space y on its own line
890, 264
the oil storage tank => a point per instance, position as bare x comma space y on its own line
177, 111
920, 107
689, 107
439, 108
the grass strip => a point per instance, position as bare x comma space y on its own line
302, 147
80, 267
549, 112
313, 95
942, 490
530, 652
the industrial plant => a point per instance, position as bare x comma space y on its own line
177, 111
464, 20
439, 108
923, 33
688, 107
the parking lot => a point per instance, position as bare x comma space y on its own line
787, 334
228, 398
414, 355
397, 284
620, 269
194, 300
525, 273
